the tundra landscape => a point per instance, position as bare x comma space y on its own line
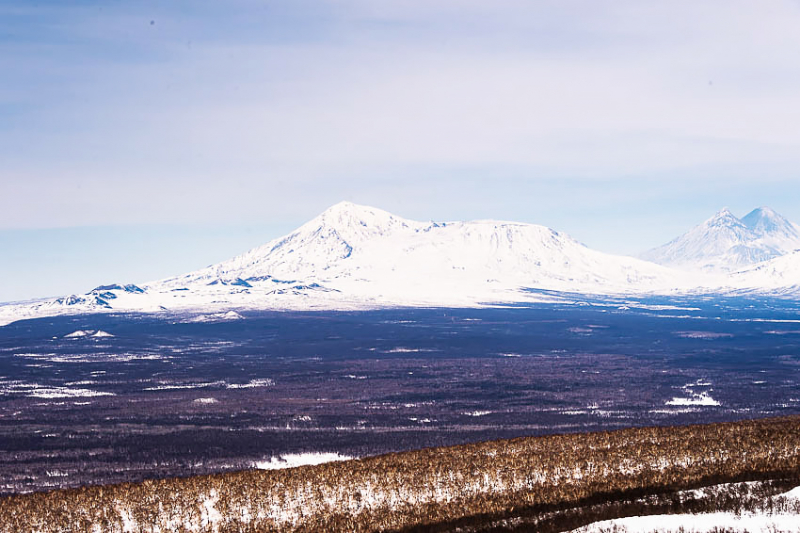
216, 406
433, 266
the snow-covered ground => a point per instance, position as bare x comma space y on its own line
358, 257
292, 460
783, 518
698, 523
35, 390
703, 399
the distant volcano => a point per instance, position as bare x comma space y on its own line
358, 257
726, 243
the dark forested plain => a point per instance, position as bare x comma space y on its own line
167, 395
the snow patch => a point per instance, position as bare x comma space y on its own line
215, 317
206, 400
292, 460
65, 392
402, 349
701, 399
696, 523
81, 333
252, 384
709, 335
182, 386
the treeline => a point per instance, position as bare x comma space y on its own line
425, 488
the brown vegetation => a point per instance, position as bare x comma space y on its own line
423, 488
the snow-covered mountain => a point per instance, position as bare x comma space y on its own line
367, 251
779, 276
356, 256
724, 243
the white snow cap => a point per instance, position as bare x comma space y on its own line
356, 257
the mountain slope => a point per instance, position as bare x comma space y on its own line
768, 225
724, 243
370, 253
779, 276
356, 256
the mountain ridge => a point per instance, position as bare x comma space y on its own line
340, 234
357, 257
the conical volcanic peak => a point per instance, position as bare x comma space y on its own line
724, 243
765, 222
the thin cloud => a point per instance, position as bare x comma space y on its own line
231, 108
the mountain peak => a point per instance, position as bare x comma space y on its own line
724, 217
761, 213
764, 221
726, 243
725, 212
346, 217
346, 207
765, 210
349, 210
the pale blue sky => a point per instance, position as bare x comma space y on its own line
142, 139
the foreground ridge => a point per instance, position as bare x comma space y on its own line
430, 489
